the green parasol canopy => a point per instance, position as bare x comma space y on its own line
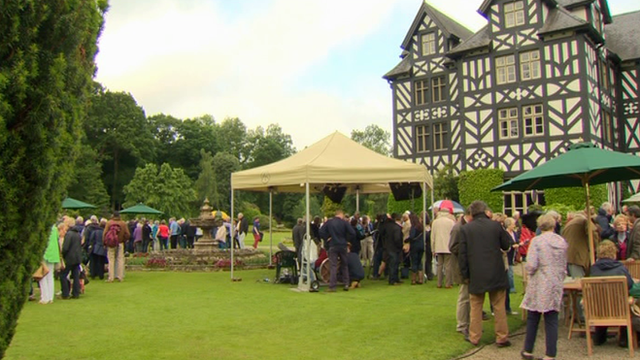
70, 203
141, 208
582, 164
633, 199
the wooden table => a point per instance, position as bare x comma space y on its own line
573, 288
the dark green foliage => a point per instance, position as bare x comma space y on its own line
87, 183
223, 165
206, 186
445, 184
166, 189
575, 197
300, 211
374, 138
121, 135
179, 142
414, 205
477, 185
47, 51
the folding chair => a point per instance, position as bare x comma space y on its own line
605, 301
286, 259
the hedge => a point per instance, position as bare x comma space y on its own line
477, 184
575, 197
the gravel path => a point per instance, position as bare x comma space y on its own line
574, 349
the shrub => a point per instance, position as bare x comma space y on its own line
477, 184
575, 197
400, 207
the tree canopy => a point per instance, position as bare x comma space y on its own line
47, 52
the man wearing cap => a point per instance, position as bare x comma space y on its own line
440, 237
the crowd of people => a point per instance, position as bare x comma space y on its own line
476, 250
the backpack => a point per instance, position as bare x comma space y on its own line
111, 238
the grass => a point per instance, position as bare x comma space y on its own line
170, 315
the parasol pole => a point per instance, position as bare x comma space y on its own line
592, 253
270, 227
232, 230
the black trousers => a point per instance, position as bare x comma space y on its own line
336, 252
96, 266
74, 269
394, 262
174, 241
550, 331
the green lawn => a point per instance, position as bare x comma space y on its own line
170, 315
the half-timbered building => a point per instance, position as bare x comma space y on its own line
541, 75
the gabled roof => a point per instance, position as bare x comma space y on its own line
484, 7
560, 19
447, 25
404, 67
622, 36
604, 7
479, 40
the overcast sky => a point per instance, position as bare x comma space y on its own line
313, 67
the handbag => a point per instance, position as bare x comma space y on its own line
41, 272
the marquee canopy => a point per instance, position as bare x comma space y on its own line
336, 159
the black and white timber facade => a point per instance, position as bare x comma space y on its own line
541, 75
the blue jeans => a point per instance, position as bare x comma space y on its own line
416, 259
512, 284
164, 243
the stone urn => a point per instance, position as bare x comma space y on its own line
206, 222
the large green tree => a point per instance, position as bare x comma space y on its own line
47, 51
166, 189
224, 165
178, 142
118, 130
373, 137
206, 186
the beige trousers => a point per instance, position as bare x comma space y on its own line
497, 299
116, 262
444, 268
462, 309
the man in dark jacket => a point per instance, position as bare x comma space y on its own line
297, 234
633, 245
334, 232
482, 267
604, 220
72, 254
393, 245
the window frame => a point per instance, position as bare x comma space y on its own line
535, 128
508, 116
439, 87
428, 43
505, 68
534, 65
422, 138
514, 14
421, 92
440, 134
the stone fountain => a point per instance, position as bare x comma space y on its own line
206, 221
